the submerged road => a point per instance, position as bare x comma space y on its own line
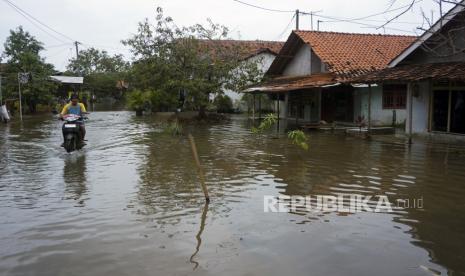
130, 203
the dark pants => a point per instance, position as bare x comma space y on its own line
83, 131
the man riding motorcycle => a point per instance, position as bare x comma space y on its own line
76, 108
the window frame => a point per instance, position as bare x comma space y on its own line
394, 96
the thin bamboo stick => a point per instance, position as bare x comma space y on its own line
199, 168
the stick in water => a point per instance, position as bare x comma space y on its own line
199, 168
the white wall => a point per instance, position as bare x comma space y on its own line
283, 107
420, 109
379, 116
301, 64
264, 61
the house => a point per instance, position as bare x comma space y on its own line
67, 85
433, 69
308, 77
255, 51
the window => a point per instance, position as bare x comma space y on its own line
394, 96
440, 110
449, 111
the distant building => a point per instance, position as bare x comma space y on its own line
257, 51
68, 84
308, 77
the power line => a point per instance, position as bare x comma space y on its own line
68, 57
33, 23
381, 13
262, 8
374, 20
57, 46
57, 53
336, 19
287, 27
25, 13
364, 24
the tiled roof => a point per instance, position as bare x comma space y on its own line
247, 48
281, 84
349, 54
454, 71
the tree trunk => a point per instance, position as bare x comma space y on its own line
32, 106
203, 112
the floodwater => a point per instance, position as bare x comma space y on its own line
130, 203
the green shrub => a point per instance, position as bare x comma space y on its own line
223, 104
138, 100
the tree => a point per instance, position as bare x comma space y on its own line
441, 44
174, 60
22, 53
100, 70
94, 61
138, 100
223, 104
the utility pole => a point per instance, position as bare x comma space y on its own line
297, 13
311, 19
318, 25
76, 44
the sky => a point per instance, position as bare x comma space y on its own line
104, 23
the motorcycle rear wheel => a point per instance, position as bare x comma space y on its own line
70, 145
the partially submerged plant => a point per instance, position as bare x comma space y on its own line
174, 128
267, 123
298, 138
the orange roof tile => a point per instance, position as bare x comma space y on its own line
247, 48
349, 54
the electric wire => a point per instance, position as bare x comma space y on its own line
356, 20
285, 29
262, 8
37, 20
34, 23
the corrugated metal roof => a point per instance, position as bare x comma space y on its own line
281, 84
67, 79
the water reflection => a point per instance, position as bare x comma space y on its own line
198, 237
138, 195
75, 177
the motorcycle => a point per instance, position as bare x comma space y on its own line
72, 133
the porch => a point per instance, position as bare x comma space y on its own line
309, 100
435, 97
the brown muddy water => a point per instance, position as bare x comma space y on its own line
131, 203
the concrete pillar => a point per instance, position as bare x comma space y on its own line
369, 109
410, 112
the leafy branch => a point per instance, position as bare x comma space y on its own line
297, 137
267, 123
